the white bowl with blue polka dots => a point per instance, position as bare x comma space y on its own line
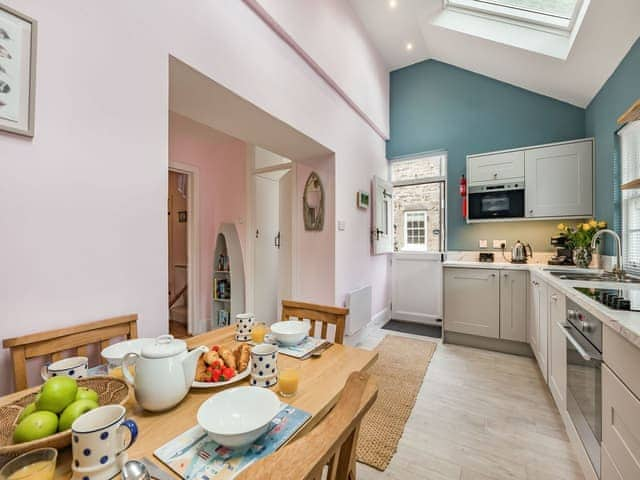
74, 367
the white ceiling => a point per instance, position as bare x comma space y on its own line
193, 95
608, 31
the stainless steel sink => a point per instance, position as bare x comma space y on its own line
594, 277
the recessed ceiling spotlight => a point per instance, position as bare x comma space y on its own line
409, 46
393, 3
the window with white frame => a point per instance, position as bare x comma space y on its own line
415, 230
419, 188
630, 170
555, 14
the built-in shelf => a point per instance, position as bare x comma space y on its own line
631, 184
228, 277
631, 115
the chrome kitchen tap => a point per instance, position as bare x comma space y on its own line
617, 270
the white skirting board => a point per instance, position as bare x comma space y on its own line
359, 304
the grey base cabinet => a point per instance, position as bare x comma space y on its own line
472, 301
557, 349
513, 305
486, 302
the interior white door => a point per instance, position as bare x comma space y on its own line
285, 232
266, 253
382, 224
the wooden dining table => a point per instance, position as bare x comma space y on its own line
321, 381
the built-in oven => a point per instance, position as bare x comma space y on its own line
505, 200
584, 378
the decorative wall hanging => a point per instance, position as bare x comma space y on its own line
17, 71
362, 200
313, 203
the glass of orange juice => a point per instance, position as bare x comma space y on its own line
34, 465
258, 333
288, 381
116, 371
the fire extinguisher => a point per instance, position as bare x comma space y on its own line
463, 194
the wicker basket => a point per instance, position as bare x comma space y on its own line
110, 391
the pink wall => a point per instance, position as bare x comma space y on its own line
222, 171
315, 268
84, 217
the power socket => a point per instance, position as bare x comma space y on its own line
499, 244
483, 244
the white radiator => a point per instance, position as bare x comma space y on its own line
359, 304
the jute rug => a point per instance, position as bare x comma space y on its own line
399, 371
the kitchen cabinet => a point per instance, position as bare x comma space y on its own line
557, 349
495, 167
472, 301
559, 180
513, 305
620, 429
539, 322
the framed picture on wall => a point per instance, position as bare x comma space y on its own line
363, 200
17, 71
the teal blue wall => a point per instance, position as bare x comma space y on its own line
617, 94
436, 106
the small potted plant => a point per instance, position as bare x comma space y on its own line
579, 240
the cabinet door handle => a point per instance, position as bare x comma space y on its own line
530, 211
554, 297
493, 275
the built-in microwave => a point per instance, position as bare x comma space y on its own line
505, 200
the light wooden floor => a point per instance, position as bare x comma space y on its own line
479, 415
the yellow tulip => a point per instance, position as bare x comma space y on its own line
593, 223
562, 227
602, 224
586, 227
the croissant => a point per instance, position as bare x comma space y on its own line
245, 355
228, 357
210, 357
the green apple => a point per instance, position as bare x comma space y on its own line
35, 426
57, 393
73, 411
85, 393
26, 411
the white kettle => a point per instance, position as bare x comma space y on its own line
164, 370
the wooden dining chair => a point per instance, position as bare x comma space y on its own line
53, 345
329, 450
325, 314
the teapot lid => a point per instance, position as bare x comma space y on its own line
164, 346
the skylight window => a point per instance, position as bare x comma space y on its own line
554, 14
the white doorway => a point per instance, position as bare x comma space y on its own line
182, 262
273, 190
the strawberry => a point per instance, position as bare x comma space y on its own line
215, 348
228, 373
216, 374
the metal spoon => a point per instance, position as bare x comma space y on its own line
135, 470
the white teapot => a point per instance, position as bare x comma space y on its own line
164, 372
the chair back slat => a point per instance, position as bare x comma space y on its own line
330, 445
325, 314
76, 340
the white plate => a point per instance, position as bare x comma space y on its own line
238, 376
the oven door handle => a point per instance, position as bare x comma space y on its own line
583, 353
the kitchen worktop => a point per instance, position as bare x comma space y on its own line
625, 323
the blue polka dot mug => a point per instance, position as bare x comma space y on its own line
76, 367
244, 326
99, 440
264, 365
